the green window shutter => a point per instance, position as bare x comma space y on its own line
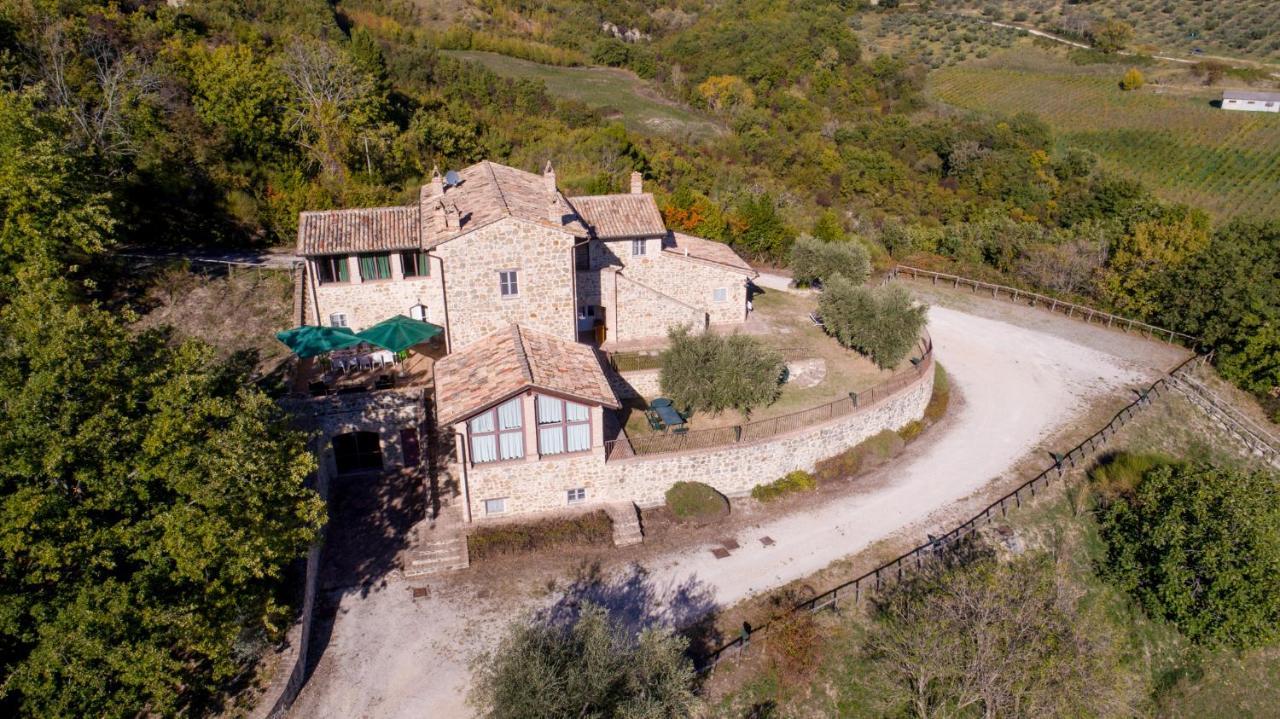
368, 266
384, 266
344, 270
424, 265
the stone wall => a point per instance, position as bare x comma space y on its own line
642, 312
385, 412
631, 385
732, 470
368, 303
543, 257
694, 283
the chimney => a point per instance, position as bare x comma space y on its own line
549, 177
637, 183
449, 212
437, 182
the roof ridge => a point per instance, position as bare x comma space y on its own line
502, 196
521, 354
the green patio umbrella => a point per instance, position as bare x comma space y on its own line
399, 333
309, 340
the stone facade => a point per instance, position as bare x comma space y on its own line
370, 302
637, 311
733, 470
385, 412
543, 259
632, 385
695, 283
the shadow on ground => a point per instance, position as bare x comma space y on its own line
637, 602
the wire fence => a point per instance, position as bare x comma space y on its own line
640, 446
893, 571
1053, 304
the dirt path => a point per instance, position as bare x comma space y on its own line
390, 656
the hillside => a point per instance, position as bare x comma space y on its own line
1169, 136
1239, 28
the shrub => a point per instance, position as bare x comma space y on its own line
598, 666
911, 430
506, 539
814, 261
941, 397
797, 481
882, 323
867, 454
695, 501
708, 372
1118, 474
1132, 79
1197, 546
794, 647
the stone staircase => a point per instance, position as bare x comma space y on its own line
626, 524
440, 546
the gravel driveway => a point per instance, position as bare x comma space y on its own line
390, 656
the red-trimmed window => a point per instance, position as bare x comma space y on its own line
563, 427
497, 435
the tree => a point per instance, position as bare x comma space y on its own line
992, 638
592, 668
726, 93
1198, 546
828, 228
1111, 35
239, 95
757, 228
882, 323
1229, 296
711, 373
1132, 79
814, 261
1143, 258
150, 503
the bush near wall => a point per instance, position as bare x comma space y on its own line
797, 481
871, 452
940, 400
695, 501
507, 539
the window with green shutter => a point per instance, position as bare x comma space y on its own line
375, 267
415, 264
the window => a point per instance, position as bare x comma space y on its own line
338, 319
375, 267
357, 451
333, 269
497, 434
563, 426
586, 311
637, 248
508, 283
495, 506
415, 264
720, 294
577, 496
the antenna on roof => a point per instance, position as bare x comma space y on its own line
452, 179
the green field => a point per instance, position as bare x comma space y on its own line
614, 91
1171, 138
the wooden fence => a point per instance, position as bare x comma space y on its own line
627, 446
1053, 304
893, 571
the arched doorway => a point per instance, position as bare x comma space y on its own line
357, 452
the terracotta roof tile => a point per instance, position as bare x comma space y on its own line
510, 360
489, 192
718, 253
362, 230
620, 216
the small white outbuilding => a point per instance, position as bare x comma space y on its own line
1250, 101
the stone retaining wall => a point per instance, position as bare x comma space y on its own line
632, 385
733, 470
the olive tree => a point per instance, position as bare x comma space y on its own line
882, 323
592, 668
814, 261
712, 373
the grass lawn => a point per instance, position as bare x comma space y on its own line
608, 89
1167, 136
781, 320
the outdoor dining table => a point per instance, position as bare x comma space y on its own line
669, 416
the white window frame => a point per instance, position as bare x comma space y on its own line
638, 248
495, 506
563, 425
577, 495
509, 286
497, 433
338, 319
720, 294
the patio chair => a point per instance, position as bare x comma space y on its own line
816, 319
655, 424
365, 362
